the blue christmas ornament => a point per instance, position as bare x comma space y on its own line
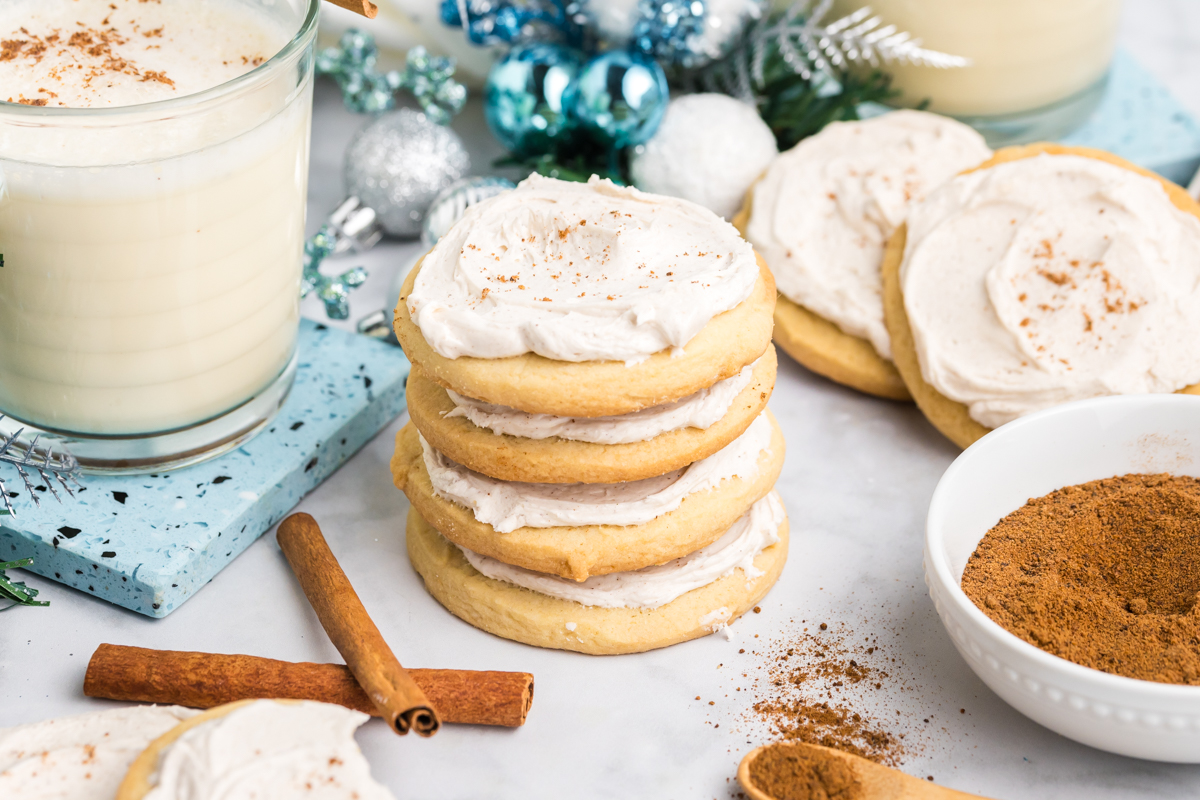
352, 65
529, 95
489, 22
675, 33
670, 31
334, 290
366, 91
431, 81
620, 97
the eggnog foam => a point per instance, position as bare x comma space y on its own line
110, 53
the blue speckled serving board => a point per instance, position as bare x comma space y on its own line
149, 542
1139, 120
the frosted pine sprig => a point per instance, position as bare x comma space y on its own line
49, 464
810, 49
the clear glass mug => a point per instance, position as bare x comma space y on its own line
149, 293
1038, 67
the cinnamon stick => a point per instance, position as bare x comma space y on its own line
364, 7
204, 680
399, 699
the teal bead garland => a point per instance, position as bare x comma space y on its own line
620, 97
529, 96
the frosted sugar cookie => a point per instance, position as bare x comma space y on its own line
513, 445
576, 531
585, 300
627, 612
1048, 274
261, 749
82, 757
820, 217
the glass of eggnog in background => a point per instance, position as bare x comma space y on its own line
153, 177
1038, 67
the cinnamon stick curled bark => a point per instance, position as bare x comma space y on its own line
204, 680
364, 7
399, 699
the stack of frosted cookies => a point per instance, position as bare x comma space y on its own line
590, 461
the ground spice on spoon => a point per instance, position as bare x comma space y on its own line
795, 773
1105, 574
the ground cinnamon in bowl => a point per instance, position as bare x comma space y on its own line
1105, 574
788, 772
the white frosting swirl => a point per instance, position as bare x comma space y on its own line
825, 209
700, 410
579, 272
267, 750
508, 505
754, 531
1050, 279
84, 757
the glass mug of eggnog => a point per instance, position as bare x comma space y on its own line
153, 176
1038, 67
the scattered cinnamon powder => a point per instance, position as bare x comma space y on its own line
797, 772
1105, 574
814, 693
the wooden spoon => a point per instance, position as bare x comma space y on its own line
877, 782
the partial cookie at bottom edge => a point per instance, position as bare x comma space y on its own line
137, 783
525, 616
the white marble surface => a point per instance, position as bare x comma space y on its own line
857, 479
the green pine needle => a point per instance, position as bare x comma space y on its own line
794, 108
576, 166
16, 591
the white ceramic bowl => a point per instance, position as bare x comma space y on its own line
1032, 457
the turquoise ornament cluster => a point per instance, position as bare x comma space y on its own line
621, 97
529, 96
541, 97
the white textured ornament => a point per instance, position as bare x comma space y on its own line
708, 149
612, 19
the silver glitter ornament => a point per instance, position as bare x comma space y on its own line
399, 163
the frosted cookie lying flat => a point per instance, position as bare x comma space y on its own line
84, 757
1049, 274
821, 216
516, 446
585, 300
257, 750
628, 612
583, 530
